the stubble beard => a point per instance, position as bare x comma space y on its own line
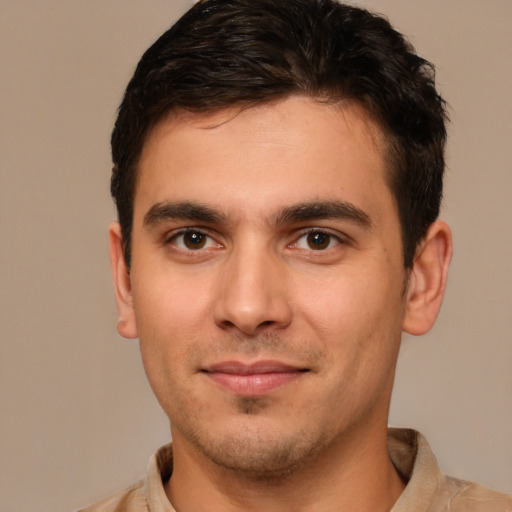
262, 451
259, 455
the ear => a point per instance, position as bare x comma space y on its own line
126, 324
427, 281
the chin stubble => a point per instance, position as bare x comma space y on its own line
252, 453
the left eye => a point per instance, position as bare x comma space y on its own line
193, 241
317, 241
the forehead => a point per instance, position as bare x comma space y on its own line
295, 115
270, 153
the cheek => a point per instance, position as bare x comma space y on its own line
170, 316
170, 313
352, 309
167, 301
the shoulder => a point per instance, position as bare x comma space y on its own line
145, 495
428, 488
132, 499
472, 497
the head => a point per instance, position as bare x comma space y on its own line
278, 172
228, 53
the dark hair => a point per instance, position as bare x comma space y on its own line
241, 52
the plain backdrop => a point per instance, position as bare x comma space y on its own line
77, 419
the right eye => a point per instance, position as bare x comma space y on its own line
193, 240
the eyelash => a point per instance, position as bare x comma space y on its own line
192, 231
333, 240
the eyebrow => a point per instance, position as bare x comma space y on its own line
316, 210
307, 211
183, 210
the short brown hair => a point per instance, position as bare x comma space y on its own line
241, 52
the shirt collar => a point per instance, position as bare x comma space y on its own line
408, 449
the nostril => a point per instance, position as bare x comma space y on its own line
240, 325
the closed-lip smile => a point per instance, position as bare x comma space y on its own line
254, 379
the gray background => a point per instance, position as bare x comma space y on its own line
77, 419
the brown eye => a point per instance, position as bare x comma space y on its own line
194, 240
318, 240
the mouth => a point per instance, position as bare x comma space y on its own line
256, 379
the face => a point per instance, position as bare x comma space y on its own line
267, 281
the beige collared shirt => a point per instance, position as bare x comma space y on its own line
427, 490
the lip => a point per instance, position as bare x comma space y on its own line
255, 379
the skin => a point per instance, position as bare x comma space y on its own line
291, 259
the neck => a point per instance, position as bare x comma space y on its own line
356, 474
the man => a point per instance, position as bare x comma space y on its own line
278, 175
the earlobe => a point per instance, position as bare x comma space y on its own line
428, 279
126, 324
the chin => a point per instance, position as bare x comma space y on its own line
258, 450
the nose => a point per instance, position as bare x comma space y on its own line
252, 293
